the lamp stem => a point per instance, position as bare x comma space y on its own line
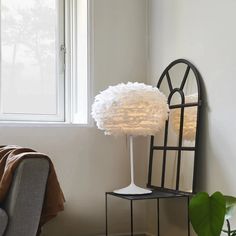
132, 189
131, 149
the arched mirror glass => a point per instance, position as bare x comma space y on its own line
173, 151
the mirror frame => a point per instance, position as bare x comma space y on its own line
180, 147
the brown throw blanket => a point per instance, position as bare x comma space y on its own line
10, 158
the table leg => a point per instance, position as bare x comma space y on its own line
158, 217
106, 214
131, 218
188, 216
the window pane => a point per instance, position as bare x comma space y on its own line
29, 56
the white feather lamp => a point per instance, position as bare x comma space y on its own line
130, 109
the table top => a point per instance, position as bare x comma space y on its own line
156, 194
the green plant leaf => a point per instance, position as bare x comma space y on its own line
230, 204
207, 213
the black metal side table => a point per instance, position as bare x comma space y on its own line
156, 194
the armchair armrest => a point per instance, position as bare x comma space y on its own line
3, 221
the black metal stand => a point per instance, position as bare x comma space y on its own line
154, 195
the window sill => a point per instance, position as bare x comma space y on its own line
43, 124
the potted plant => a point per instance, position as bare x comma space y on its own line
208, 213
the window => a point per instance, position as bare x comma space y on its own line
44, 62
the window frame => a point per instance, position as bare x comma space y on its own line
72, 74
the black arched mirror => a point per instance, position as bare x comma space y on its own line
173, 152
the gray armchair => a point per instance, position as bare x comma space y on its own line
21, 211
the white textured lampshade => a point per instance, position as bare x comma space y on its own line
130, 109
190, 119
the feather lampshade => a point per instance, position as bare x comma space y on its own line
131, 109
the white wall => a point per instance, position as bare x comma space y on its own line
204, 33
87, 162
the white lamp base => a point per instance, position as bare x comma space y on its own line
132, 189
